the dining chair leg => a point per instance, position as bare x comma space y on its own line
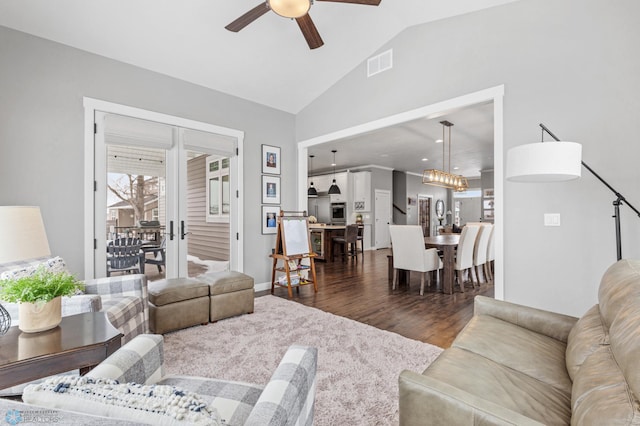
473, 284
422, 283
487, 271
477, 271
460, 279
396, 272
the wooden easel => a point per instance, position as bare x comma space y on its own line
293, 244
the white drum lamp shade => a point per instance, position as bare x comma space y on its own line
544, 162
22, 234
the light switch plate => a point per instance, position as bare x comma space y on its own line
552, 219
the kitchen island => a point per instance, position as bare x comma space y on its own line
321, 235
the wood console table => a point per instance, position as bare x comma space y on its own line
80, 342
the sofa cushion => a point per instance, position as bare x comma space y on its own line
601, 394
620, 285
536, 355
226, 282
233, 400
25, 268
486, 379
154, 404
624, 336
587, 336
172, 290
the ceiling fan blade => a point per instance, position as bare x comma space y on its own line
248, 17
310, 31
365, 2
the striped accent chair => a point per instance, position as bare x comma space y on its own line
287, 399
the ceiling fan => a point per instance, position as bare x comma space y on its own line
294, 9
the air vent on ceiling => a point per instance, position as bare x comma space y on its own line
380, 63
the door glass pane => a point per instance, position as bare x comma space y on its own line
226, 206
214, 190
136, 209
207, 239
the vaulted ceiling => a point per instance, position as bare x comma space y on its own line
269, 62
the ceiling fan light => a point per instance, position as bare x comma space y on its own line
290, 8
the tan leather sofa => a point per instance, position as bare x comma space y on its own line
518, 365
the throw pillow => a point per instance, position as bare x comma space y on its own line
156, 404
25, 269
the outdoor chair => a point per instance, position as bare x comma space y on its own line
159, 255
125, 255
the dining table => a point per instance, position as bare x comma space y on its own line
448, 243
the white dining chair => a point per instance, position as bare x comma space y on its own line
480, 251
409, 253
491, 254
464, 254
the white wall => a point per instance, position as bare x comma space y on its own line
571, 64
41, 135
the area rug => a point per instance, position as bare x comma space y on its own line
358, 365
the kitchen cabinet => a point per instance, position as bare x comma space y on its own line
323, 182
362, 191
342, 182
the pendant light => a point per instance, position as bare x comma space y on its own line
333, 189
311, 192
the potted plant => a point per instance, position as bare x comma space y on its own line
39, 297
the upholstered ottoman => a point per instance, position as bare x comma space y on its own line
177, 303
231, 293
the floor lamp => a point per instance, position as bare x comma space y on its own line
555, 162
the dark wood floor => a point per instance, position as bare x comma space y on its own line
361, 291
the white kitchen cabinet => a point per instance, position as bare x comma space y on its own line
321, 183
342, 182
362, 191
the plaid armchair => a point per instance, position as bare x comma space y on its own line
287, 399
123, 298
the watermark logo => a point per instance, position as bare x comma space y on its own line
14, 417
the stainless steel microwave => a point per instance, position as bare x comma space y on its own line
338, 213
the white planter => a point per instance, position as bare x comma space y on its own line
35, 317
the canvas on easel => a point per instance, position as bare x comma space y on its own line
293, 245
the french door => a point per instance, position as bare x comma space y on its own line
157, 182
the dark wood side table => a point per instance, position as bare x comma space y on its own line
80, 342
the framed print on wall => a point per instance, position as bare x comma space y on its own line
270, 189
269, 219
271, 159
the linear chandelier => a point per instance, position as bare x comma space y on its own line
443, 178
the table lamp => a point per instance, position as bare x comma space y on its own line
555, 162
23, 237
